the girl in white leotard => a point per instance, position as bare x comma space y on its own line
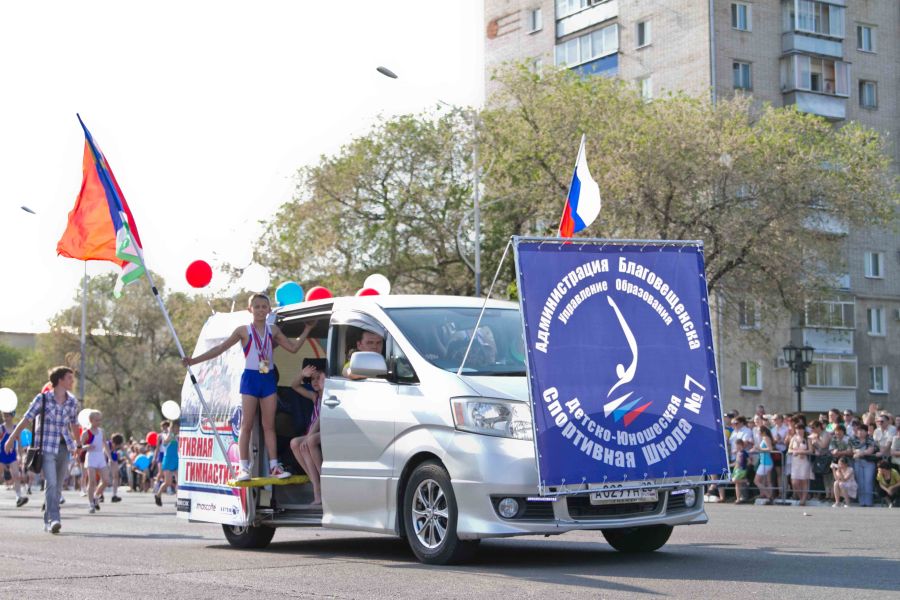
96, 460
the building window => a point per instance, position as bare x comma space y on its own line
874, 265
535, 20
748, 315
751, 375
865, 38
824, 75
643, 34
646, 86
536, 65
832, 371
868, 94
830, 314
819, 18
741, 72
878, 380
587, 47
875, 320
740, 16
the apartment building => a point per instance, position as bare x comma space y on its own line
839, 59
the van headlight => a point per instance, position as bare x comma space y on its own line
502, 418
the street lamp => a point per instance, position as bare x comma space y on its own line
799, 360
477, 180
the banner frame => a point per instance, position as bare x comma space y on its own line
584, 487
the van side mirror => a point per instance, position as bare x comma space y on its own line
368, 364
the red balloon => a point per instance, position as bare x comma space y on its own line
318, 293
199, 274
152, 438
367, 292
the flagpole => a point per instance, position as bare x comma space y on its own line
165, 313
82, 375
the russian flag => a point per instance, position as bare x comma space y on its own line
583, 203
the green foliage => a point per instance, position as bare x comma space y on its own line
132, 363
388, 202
759, 185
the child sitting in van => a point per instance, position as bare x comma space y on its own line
258, 383
307, 448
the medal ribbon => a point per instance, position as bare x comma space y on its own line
262, 348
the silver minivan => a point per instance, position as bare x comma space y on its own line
413, 445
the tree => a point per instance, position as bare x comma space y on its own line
389, 202
759, 185
9, 358
132, 364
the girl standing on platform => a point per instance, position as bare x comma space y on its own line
258, 383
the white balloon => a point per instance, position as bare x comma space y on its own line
171, 410
379, 283
8, 400
255, 278
84, 418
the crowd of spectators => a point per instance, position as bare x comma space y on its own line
839, 458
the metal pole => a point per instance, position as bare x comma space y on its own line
81, 373
477, 209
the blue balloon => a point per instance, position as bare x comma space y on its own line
25, 437
288, 292
142, 462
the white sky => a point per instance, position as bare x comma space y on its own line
204, 110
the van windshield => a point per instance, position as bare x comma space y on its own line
441, 335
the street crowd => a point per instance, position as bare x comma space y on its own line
82, 459
840, 458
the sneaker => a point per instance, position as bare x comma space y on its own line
243, 475
278, 472
102, 499
62, 500
835, 505
157, 499
91, 510
21, 501
845, 505
55, 526
83, 494
115, 499
29, 491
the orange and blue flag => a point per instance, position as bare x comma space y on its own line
101, 226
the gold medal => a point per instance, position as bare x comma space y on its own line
263, 366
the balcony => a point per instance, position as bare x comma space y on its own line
587, 17
829, 341
798, 41
833, 108
607, 66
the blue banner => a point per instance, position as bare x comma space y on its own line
620, 360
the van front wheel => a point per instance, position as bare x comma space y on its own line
430, 515
249, 537
638, 539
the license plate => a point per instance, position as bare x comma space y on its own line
618, 493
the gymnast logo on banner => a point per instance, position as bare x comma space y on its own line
620, 355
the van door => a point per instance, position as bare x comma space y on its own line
357, 426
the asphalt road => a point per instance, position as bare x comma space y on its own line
135, 549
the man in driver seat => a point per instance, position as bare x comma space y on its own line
368, 342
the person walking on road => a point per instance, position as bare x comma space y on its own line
9, 461
60, 416
96, 460
169, 465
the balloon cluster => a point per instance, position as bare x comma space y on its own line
256, 278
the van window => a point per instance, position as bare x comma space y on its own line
442, 335
347, 339
399, 367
